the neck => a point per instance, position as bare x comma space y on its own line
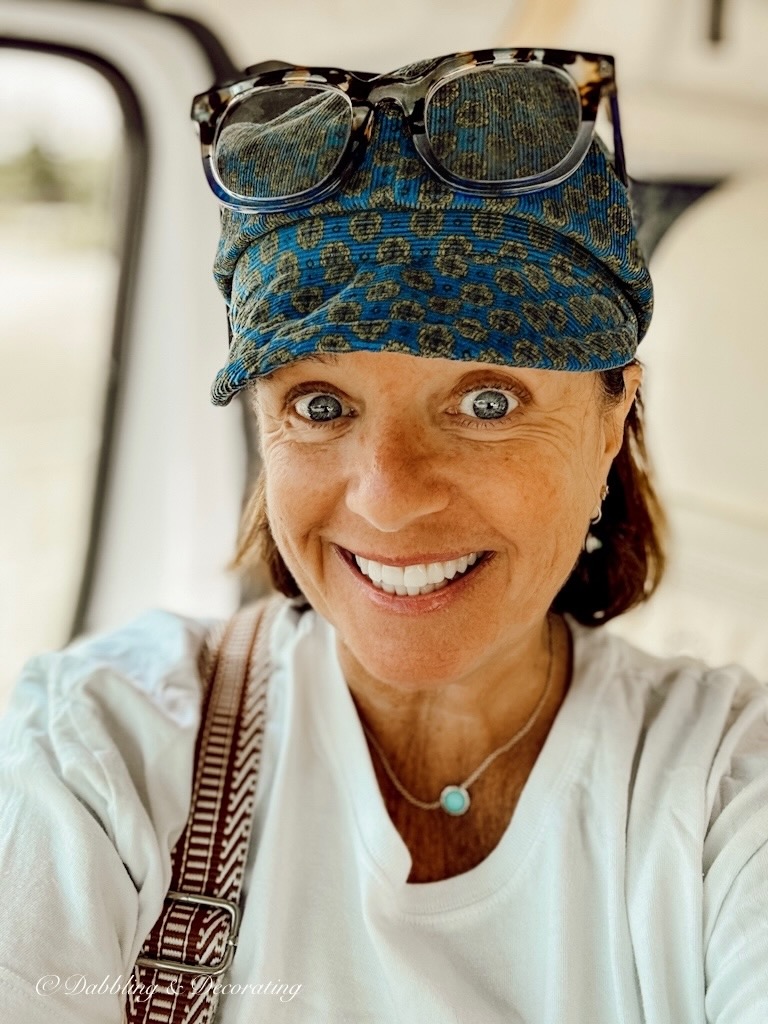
440, 734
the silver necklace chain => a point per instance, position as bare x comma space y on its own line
433, 805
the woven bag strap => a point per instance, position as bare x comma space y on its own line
179, 970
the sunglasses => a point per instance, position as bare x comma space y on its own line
488, 123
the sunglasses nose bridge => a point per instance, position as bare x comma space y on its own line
404, 94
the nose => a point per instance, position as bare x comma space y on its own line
397, 479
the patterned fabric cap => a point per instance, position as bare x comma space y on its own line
397, 261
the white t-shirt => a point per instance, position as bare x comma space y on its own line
630, 886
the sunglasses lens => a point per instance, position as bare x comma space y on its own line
279, 141
503, 123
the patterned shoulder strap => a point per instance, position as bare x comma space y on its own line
192, 944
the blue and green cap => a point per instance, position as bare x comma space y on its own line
397, 261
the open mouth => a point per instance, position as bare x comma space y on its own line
415, 580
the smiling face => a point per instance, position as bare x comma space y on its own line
387, 471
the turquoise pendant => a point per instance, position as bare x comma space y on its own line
455, 800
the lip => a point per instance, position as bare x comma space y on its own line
419, 603
410, 559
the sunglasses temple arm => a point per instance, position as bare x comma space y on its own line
620, 165
229, 321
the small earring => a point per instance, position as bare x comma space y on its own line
597, 515
592, 543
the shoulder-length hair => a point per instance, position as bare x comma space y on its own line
621, 573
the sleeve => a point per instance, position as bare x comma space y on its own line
736, 869
96, 763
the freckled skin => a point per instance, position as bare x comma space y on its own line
406, 471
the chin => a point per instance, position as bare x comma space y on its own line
408, 666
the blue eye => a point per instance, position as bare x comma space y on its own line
319, 407
487, 404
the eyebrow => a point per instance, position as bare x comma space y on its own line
327, 358
321, 357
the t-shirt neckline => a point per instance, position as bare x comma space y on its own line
342, 738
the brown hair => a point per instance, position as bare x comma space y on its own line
630, 563
615, 577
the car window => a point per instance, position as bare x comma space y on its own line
62, 186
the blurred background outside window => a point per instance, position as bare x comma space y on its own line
62, 186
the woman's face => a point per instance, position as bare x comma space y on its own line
408, 461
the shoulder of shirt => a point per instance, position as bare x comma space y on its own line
153, 650
153, 657
658, 681
659, 671
154, 640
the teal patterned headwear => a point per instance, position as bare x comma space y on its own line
397, 261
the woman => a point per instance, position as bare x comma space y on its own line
473, 804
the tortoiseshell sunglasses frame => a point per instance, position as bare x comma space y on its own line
593, 75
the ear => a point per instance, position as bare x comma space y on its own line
617, 412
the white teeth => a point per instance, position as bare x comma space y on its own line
414, 576
392, 574
435, 572
415, 579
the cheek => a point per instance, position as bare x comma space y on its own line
300, 496
541, 496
